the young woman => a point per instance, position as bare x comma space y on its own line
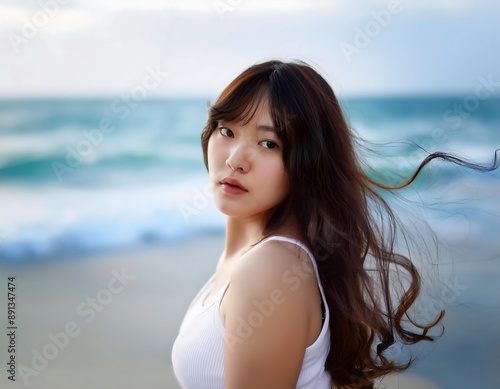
303, 295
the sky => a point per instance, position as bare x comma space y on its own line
66, 48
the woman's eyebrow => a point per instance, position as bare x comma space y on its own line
264, 127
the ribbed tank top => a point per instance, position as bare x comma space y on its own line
198, 351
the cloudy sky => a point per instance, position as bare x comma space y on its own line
195, 47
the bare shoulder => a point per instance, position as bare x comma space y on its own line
274, 269
267, 314
272, 264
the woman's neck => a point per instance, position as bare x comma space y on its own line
241, 234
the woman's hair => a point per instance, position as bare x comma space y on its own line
335, 201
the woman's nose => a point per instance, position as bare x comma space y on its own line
239, 158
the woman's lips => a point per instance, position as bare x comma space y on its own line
233, 182
232, 189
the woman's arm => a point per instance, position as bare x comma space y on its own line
267, 311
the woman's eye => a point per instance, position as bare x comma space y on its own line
226, 132
269, 144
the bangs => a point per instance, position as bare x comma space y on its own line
239, 105
244, 96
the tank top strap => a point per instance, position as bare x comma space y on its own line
297, 243
309, 253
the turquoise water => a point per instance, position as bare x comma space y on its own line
79, 176
89, 175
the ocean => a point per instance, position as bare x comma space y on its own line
84, 176
87, 175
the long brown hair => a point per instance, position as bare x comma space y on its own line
334, 200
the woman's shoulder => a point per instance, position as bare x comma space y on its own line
264, 318
271, 264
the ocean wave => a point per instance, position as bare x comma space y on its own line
144, 182
53, 221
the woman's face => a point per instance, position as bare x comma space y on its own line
250, 153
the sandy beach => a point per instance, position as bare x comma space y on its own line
126, 328
109, 320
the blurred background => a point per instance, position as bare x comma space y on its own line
102, 179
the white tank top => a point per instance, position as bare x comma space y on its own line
198, 351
